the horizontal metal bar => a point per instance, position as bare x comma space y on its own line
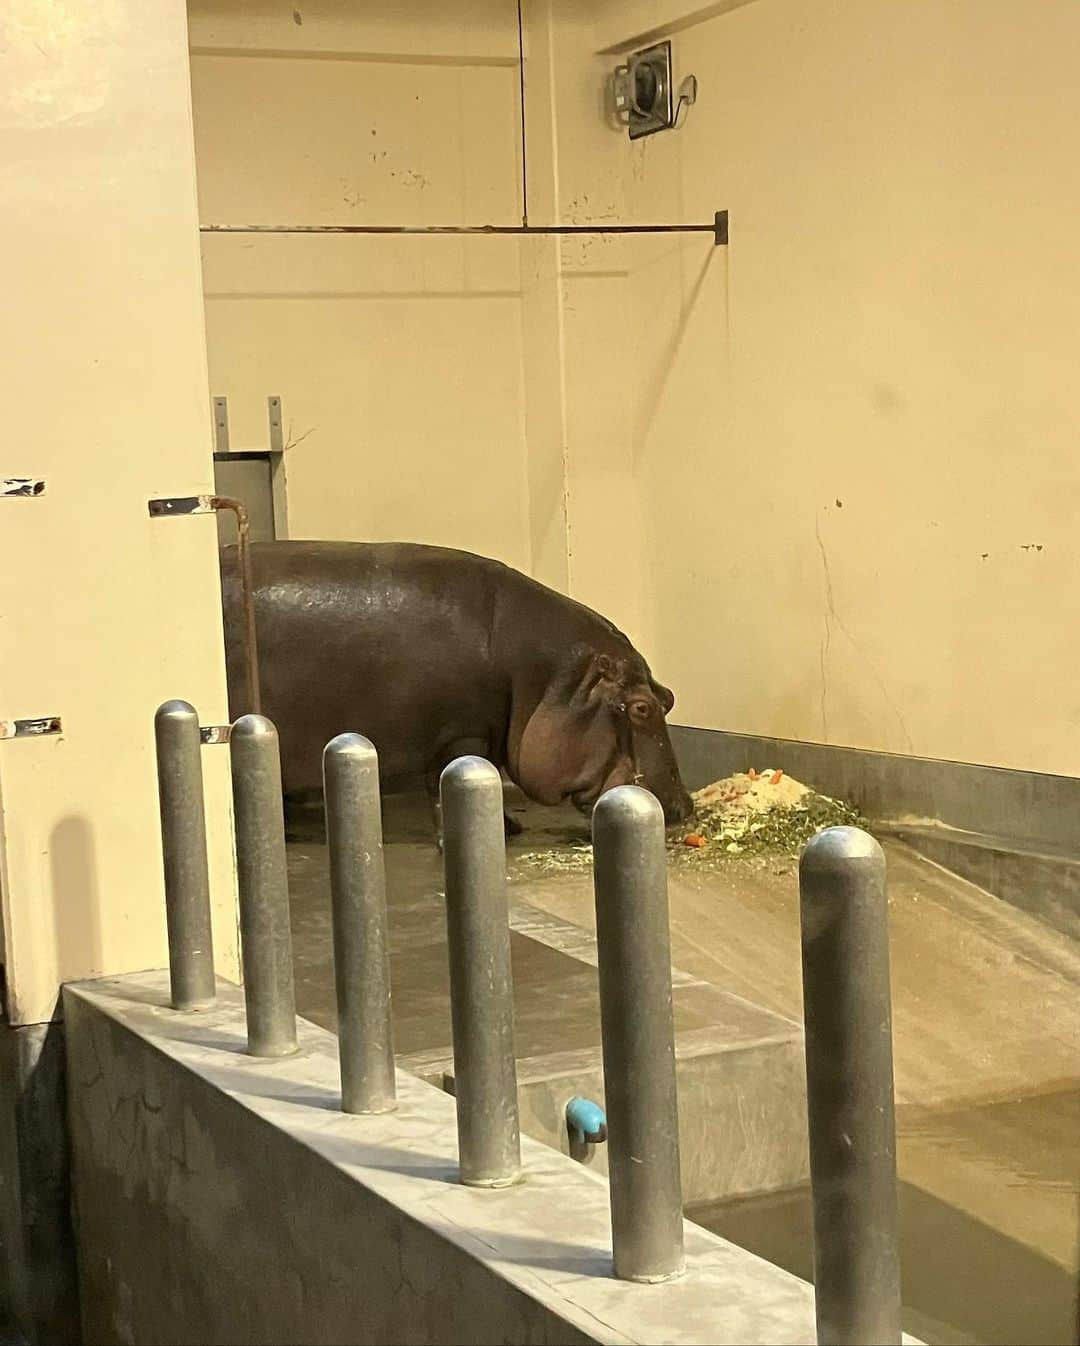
245, 456
36, 728
215, 733
513, 229
718, 228
22, 486
181, 504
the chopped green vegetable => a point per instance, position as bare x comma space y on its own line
737, 823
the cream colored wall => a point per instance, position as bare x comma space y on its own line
890, 329
852, 435
104, 613
399, 360
578, 173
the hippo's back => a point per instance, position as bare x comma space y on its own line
391, 640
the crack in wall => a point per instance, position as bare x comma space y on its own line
826, 639
831, 618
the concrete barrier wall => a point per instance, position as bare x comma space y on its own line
224, 1199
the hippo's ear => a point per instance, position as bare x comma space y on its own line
559, 740
665, 696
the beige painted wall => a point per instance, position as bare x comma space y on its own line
852, 436
399, 361
661, 428
104, 613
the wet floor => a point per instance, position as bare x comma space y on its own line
986, 1033
963, 1281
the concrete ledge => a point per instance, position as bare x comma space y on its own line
742, 1101
223, 1199
1044, 884
740, 1067
741, 1076
741, 1073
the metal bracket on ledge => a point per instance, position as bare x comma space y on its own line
222, 447
36, 728
181, 505
277, 439
24, 487
221, 425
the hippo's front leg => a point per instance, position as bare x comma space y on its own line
464, 748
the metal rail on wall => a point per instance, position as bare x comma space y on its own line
718, 228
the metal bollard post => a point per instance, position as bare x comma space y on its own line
634, 954
361, 942
265, 935
481, 983
849, 1087
183, 848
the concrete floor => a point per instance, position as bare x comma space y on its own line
986, 1011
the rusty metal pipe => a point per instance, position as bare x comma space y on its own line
718, 229
247, 597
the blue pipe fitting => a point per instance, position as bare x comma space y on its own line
586, 1121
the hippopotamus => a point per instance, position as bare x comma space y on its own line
433, 654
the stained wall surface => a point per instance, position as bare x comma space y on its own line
399, 360
824, 477
852, 436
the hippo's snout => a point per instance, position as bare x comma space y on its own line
680, 811
676, 811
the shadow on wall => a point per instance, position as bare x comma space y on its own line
76, 898
657, 382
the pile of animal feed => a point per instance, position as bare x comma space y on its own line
753, 813
763, 812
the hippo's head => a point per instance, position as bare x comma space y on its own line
599, 723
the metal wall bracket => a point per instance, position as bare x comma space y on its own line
22, 486
221, 425
181, 505
36, 728
215, 733
277, 439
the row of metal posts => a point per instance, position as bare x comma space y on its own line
845, 989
